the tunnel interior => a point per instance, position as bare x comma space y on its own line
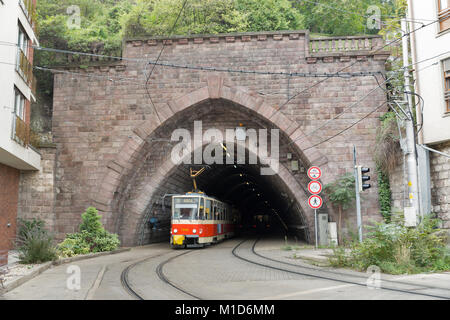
260, 199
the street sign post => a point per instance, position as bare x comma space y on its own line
315, 188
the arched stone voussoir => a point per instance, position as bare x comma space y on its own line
215, 89
150, 185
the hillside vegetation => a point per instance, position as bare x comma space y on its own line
104, 23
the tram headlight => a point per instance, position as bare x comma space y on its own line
194, 231
175, 230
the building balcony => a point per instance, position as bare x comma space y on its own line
24, 135
29, 9
21, 131
25, 68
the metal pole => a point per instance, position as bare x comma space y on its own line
358, 198
315, 221
411, 156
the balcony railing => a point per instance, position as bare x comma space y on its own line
29, 9
345, 44
21, 131
25, 68
23, 134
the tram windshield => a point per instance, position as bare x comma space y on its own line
185, 208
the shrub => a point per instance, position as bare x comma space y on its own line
91, 221
92, 237
34, 243
397, 249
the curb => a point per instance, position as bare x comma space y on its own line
18, 282
322, 262
88, 256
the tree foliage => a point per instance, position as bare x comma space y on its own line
104, 23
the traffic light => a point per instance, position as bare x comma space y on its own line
362, 178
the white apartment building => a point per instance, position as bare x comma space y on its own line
430, 47
432, 77
17, 36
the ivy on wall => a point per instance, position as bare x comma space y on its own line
384, 194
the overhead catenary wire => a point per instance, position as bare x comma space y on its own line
363, 98
354, 63
159, 56
349, 127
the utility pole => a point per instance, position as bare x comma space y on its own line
358, 198
411, 155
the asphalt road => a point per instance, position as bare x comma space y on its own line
237, 269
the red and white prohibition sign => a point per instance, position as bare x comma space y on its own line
315, 187
314, 173
315, 202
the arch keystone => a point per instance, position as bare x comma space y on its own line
215, 84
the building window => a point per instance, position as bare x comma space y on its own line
444, 14
23, 41
24, 67
19, 105
447, 84
20, 129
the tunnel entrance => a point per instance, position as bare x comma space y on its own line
139, 210
265, 205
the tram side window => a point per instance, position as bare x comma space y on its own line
208, 210
201, 212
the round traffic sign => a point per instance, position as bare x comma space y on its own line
315, 202
314, 173
315, 187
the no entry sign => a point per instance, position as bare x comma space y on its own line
314, 173
315, 202
315, 187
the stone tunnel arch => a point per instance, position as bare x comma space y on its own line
119, 171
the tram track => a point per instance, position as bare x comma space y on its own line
300, 270
163, 277
160, 273
339, 273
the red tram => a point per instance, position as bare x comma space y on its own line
199, 220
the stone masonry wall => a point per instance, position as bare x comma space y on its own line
440, 183
96, 110
37, 193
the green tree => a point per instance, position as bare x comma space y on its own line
341, 193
